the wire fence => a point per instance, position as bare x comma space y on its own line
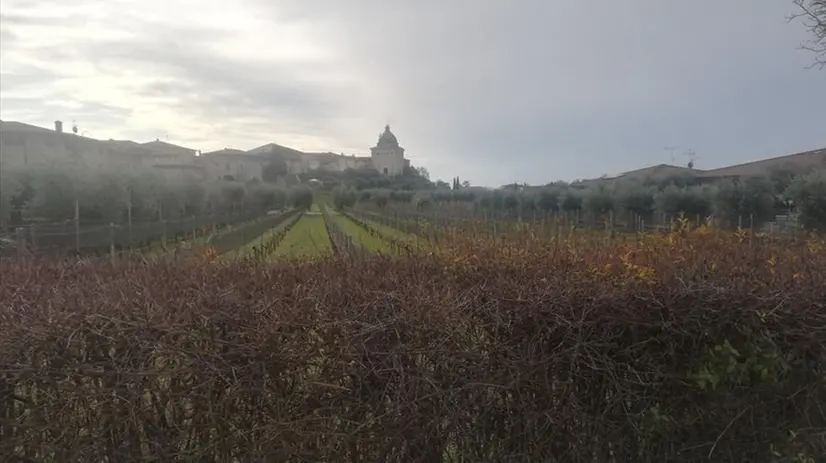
408, 219
72, 238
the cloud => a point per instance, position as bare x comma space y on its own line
485, 90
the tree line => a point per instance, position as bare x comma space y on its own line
746, 201
55, 194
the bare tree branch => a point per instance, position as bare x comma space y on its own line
812, 13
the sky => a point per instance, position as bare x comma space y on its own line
492, 91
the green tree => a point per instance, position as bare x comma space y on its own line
233, 194
274, 169
599, 200
693, 201
636, 198
745, 202
781, 178
16, 191
381, 199
423, 172
102, 198
194, 198
548, 200
808, 194
301, 197
344, 197
144, 192
510, 202
265, 197
571, 201
55, 193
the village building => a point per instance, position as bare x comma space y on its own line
25, 145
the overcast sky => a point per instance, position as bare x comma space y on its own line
493, 91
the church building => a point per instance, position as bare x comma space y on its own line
387, 155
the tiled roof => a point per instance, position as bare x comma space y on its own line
21, 127
796, 162
227, 152
165, 145
274, 148
658, 170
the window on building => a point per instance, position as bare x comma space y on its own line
385, 171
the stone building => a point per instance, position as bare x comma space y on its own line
24, 145
232, 164
387, 155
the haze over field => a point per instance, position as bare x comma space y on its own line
485, 89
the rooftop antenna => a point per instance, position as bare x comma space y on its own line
692, 156
671, 150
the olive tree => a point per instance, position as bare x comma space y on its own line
692, 201
55, 193
344, 197
15, 191
636, 198
599, 201
808, 194
548, 200
745, 202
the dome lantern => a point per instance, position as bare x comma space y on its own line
387, 139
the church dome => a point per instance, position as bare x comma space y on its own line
387, 139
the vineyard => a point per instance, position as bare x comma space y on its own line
364, 334
322, 231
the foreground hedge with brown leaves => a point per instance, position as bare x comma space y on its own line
677, 348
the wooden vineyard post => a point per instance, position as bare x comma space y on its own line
20, 242
163, 226
542, 227
77, 226
610, 225
556, 224
129, 219
112, 242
